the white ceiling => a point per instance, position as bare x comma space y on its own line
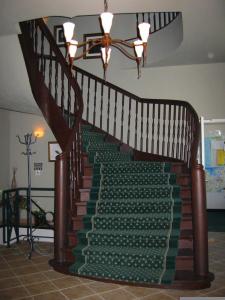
203, 36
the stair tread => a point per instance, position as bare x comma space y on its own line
127, 251
144, 275
128, 232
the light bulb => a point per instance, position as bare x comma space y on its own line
138, 46
68, 28
73, 48
106, 19
144, 31
104, 58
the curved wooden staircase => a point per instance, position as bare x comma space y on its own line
150, 129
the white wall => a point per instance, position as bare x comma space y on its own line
21, 124
4, 149
201, 85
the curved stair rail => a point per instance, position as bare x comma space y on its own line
59, 98
158, 20
167, 128
163, 129
154, 128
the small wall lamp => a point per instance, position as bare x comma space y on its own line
39, 132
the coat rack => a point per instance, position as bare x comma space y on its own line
28, 141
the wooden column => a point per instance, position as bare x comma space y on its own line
200, 224
60, 208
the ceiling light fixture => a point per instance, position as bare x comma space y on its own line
139, 46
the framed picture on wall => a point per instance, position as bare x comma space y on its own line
94, 52
53, 150
59, 35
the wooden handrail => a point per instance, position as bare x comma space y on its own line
182, 118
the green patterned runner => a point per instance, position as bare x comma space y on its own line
131, 230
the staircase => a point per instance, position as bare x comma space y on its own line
129, 194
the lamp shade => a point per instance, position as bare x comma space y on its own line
73, 48
138, 46
106, 56
68, 28
106, 19
144, 31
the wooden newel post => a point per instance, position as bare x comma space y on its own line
60, 208
200, 223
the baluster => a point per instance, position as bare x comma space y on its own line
142, 112
32, 31
170, 19
129, 117
164, 128
178, 133
136, 123
169, 137
82, 84
182, 134
153, 127
42, 52
108, 110
88, 99
137, 22
186, 136
154, 22
115, 112
50, 70
62, 92
174, 130
149, 21
69, 104
36, 37
56, 81
95, 97
160, 22
158, 127
101, 108
164, 19
122, 118
143, 17
147, 130
44, 66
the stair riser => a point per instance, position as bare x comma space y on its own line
183, 180
84, 195
185, 244
184, 263
88, 170
186, 225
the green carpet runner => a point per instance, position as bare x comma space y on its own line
131, 229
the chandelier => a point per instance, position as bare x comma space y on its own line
137, 49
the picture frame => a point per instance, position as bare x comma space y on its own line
95, 52
53, 150
59, 35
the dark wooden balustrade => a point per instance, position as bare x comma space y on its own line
158, 20
58, 96
153, 128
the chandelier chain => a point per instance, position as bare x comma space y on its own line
105, 5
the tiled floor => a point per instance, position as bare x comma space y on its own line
34, 279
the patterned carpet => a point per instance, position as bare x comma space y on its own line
131, 229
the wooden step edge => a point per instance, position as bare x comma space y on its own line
183, 279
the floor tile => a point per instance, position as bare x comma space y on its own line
13, 293
121, 294
66, 282
50, 296
142, 291
77, 292
40, 288
9, 283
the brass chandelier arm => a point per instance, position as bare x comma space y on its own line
124, 43
94, 41
125, 52
85, 52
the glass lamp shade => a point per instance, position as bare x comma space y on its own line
104, 58
106, 19
138, 46
144, 31
73, 48
68, 28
